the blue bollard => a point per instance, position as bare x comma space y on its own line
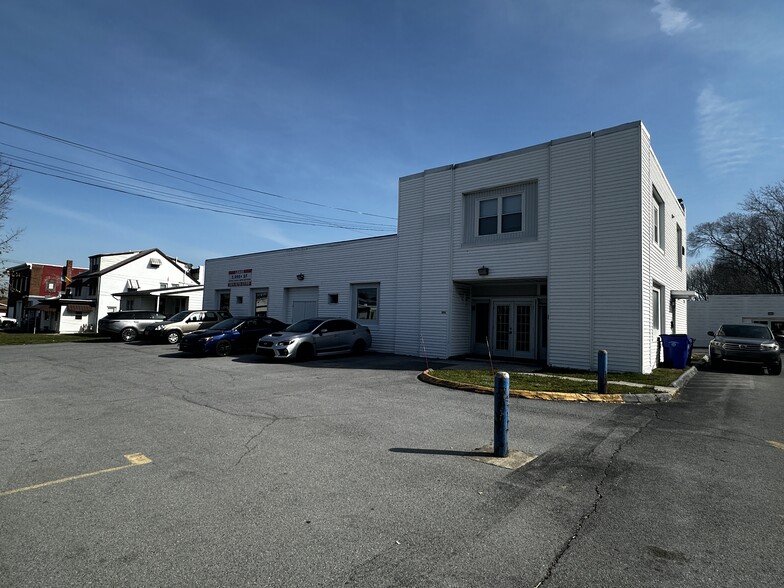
602, 371
501, 418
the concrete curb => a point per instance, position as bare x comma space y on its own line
660, 394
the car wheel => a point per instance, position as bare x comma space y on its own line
715, 362
774, 369
128, 334
359, 347
173, 337
305, 352
223, 348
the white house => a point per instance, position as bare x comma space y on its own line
135, 280
548, 253
707, 315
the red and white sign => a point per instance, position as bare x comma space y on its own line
239, 278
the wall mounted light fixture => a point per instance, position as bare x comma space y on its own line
300, 277
483, 271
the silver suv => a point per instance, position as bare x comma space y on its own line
186, 321
127, 324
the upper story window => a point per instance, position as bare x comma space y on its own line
509, 220
658, 219
507, 213
51, 285
679, 244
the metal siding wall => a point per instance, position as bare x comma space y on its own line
505, 260
707, 315
331, 268
409, 270
435, 276
569, 281
663, 263
617, 271
460, 340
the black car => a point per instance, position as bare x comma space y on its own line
232, 335
745, 343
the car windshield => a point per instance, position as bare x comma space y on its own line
226, 325
180, 316
746, 331
304, 326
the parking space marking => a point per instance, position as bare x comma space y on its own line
776, 444
136, 459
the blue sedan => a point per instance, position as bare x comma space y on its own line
232, 335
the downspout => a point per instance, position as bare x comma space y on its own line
451, 284
592, 280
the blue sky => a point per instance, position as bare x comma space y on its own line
309, 111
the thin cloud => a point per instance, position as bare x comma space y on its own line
728, 137
672, 20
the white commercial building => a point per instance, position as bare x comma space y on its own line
708, 315
548, 253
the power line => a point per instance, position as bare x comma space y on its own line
273, 213
156, 168
247, 215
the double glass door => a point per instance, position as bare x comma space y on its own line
513, 328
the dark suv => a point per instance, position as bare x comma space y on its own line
746, 343
127, 324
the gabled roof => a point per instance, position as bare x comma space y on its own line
162, 291
119, 264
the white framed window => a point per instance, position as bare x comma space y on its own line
510, 219
658, 219
261, 302
365, 302
680, 247
656, 309
501, 214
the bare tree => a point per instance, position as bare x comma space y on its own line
8, 178
748, 246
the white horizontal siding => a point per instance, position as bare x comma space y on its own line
328, 269
660, 266
435, 276
571, 240
409, 270
616, 264
707, 315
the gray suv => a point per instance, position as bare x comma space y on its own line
127, 324
745, 343
183, 322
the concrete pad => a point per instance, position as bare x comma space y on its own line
514, 460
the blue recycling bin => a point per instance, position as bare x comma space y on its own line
677, 350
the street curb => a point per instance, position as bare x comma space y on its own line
660, 394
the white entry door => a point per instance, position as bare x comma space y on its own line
513, 329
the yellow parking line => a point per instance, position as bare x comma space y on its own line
776, 444
136, 459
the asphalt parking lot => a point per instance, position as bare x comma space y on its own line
244, 472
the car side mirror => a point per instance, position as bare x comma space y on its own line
711, 333
322, 331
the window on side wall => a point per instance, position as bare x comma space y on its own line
261, 302
679, 244
658, 219
365, 307
656, 309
